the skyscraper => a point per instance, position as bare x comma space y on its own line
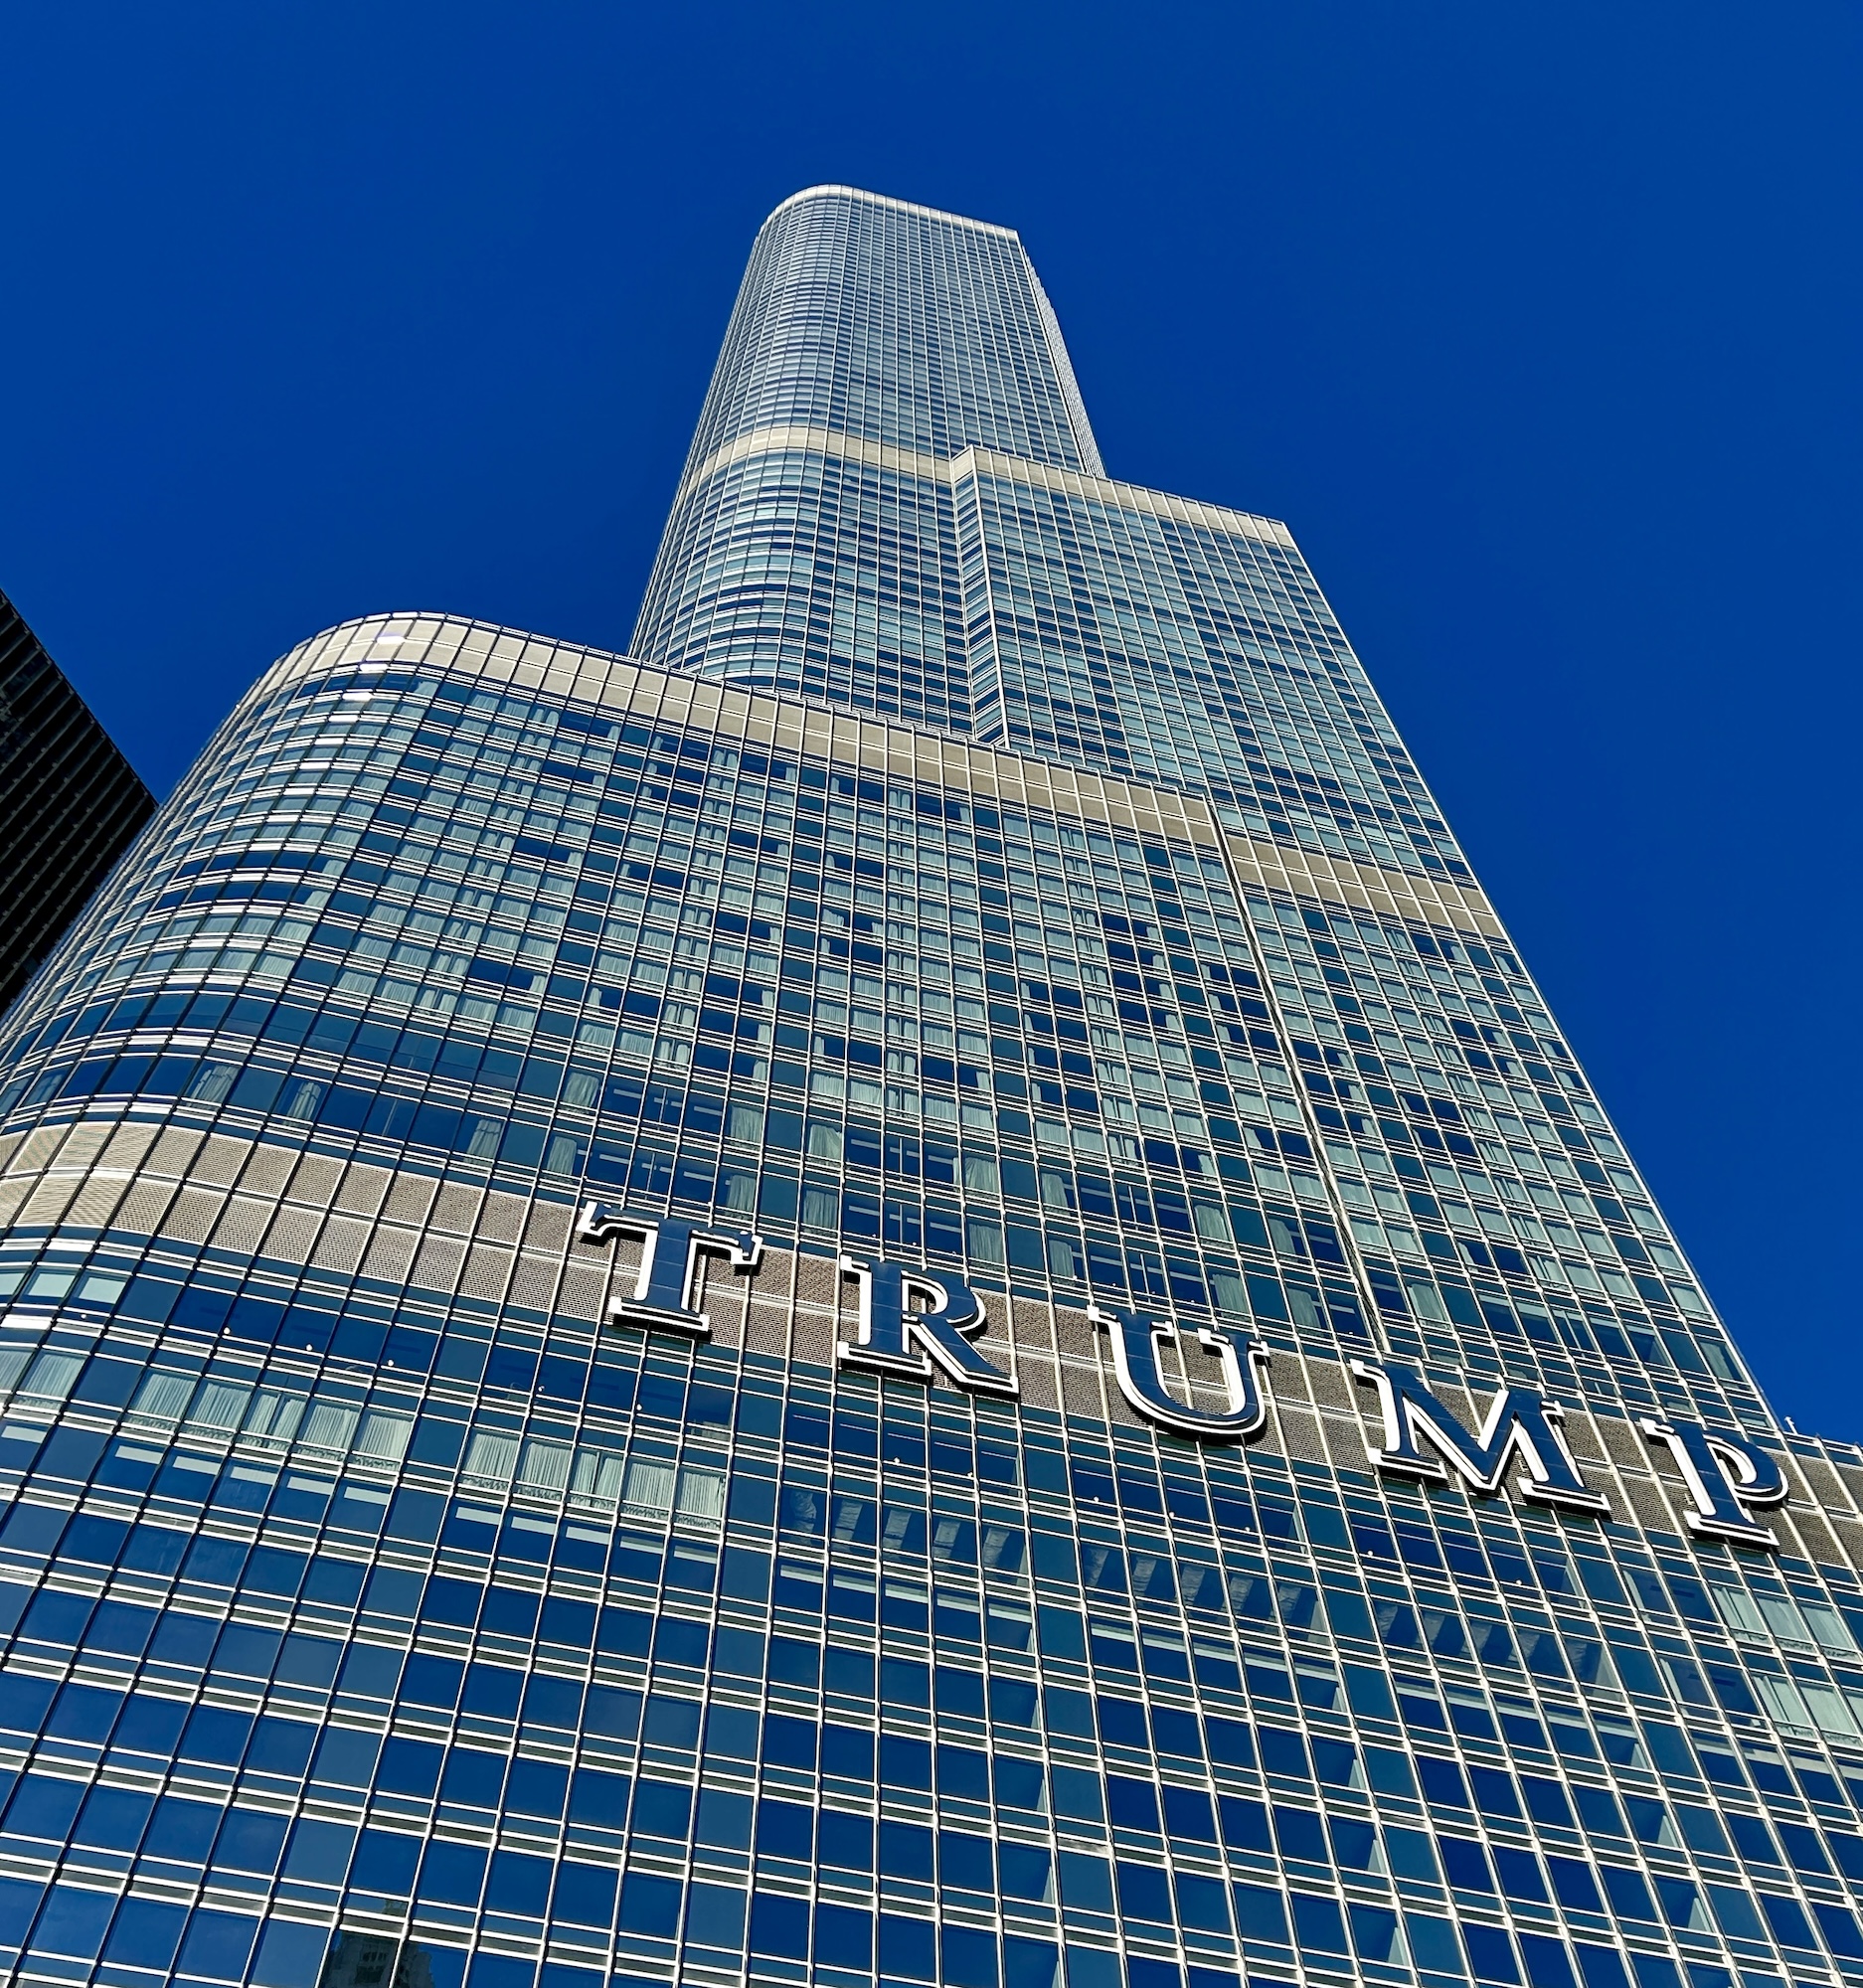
907, 1290
70, 802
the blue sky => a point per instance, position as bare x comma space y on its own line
1538, 324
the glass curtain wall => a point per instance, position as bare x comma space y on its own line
660, 1325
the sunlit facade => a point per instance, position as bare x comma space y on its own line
906, 1289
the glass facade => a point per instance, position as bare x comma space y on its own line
70, 802
659, 1332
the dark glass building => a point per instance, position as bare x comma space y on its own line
69, 803
909, 1291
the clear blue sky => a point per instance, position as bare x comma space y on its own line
1539, 324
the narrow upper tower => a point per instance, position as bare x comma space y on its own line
872, 318
894, 504
811, 542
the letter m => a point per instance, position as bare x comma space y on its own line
1520, 1425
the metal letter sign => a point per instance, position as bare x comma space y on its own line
1519, 1425
1726, 1476
895, 1339
662, 1297
917, 1323
1135, 1360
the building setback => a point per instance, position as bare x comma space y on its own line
907, 1289
69, 803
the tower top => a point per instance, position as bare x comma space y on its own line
888, 200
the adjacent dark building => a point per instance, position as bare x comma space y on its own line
69, 803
